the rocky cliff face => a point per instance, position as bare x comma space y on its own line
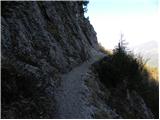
42, 45
40, 40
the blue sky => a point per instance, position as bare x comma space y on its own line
123, 7
137, 19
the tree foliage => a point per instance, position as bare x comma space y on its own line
122, 66
85, 3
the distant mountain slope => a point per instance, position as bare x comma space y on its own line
148, 50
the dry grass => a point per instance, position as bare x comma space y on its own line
104, 50
153, 71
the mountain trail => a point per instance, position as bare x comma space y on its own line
70, 95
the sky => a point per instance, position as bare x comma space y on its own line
138, 20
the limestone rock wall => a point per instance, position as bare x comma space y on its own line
40, 40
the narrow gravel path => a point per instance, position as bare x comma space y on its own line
70, 94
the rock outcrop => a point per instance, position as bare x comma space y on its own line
40, 40
48, 49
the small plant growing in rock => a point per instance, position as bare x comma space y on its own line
85, 3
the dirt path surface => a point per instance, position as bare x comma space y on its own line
70, 95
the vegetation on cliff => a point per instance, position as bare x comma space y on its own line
123, 69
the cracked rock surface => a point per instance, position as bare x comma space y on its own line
49, 51
40, 40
